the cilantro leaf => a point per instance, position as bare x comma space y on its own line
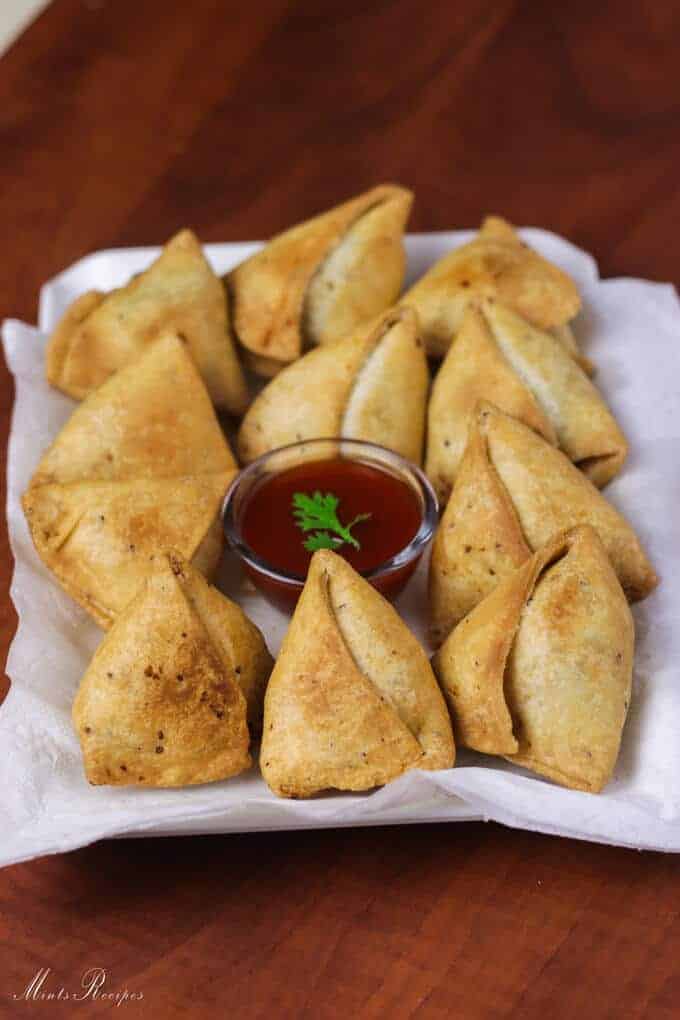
318, 513
321, 540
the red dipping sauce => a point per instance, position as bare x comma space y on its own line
261, 526
270, 529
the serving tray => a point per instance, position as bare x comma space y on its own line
630, 328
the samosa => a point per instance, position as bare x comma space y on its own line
352, 702
498, 264
498, 356
171, 692
320, 280
540, 671
513, 492
101, 333
371, 386
140, 469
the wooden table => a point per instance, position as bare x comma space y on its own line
122, 120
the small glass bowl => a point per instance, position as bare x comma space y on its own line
283, 588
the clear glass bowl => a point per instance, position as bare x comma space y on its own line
283, 588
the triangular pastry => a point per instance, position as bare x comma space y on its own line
101, 333
352, 702
371, 386
540, 671
513, 492
320, 280
168, 696
498, 356
140, 469
498, 264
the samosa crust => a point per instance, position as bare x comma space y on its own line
496, 264
473, 369
152, 419
540, 671
167, 697
371, 386
140, 469
513, 487
479, 540
320, 280
352, 702
100, 539
499, 357
101, 333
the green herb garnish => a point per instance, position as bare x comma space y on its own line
318, 513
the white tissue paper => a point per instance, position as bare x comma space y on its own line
631, 329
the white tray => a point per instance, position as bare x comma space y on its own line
630, 328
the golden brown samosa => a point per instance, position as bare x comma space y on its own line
169, 694
371, 386
320, 280
352, 702
495, 264
140, 468
179, 293
498, 356
540, 671
513, 492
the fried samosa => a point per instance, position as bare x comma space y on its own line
320, 280
540, 671
170, 693
513, 492
498, 356
495, 264
140, 468
371, 386
352, 702
179, 293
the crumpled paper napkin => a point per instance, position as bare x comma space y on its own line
631, 328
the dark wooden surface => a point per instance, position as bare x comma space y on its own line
121, 120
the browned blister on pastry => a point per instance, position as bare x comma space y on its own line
513, 492
352, 702
169, 695
179, 293
139, 469
500, 357
320, 280
496, 264
371, 386
540, 671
